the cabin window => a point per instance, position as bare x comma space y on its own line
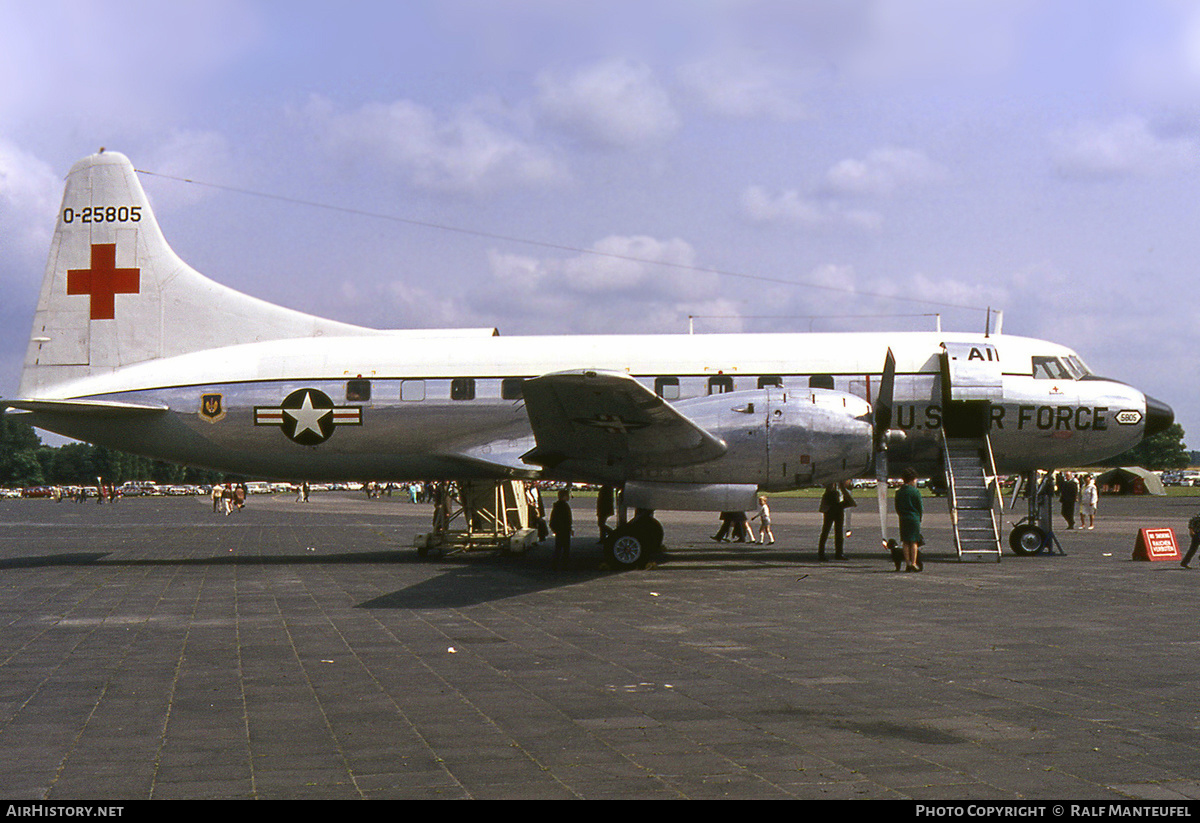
773, 381
412, 391
358, 391
821, 381
512, 388
462, 388
720, 384
667, 387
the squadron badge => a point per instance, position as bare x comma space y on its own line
307, 416
211, 408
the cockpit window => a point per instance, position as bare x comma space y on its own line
1078, 366
1051, 368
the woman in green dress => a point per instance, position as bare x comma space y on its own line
909, 509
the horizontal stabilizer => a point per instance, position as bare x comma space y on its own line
608, 424
84, 408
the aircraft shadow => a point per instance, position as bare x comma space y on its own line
476, 584
467, 579
464, 579
45, 561
99, 559
726, 557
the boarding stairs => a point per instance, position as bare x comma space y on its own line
972, 492
482, 515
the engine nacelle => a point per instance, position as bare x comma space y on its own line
829, 432
778, 439
691, 497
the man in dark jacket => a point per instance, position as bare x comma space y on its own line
834, 503
560, 524
1194, 533
1068, 492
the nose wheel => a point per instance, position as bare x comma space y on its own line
1027, 539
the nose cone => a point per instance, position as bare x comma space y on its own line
1159, 416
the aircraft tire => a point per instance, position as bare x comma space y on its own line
631, 545
1027, 539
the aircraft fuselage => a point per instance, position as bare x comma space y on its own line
406, 408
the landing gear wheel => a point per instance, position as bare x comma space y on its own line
631, 545
1027, 539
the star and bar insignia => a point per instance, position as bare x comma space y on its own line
612, 423
307, 416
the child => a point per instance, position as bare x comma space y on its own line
764, 521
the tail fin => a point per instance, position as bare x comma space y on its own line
115, 294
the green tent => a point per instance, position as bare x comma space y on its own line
1130, 480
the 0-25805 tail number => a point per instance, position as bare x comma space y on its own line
103, 214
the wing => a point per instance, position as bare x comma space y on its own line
83, 408
606, 425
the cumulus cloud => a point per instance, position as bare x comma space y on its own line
1120, 148
643, 284
882, 172
933, 40
203, 155
1162, 63
741, 87
616, 103
621, 264
187, 152
638, 263
1100, 323
396, 304
789, 207
763, 207
30, 192
462, 153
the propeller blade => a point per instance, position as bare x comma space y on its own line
881, 493
882, 422
883, 401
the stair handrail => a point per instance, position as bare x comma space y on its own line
951, 494
996, 495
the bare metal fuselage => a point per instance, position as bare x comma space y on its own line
408, 416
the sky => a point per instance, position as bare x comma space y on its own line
584, 167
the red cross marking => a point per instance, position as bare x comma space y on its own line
103, 280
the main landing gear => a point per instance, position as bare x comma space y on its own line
635, 543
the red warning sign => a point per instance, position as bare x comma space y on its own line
1155, 544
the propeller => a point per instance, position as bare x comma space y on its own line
882, 422
883, 403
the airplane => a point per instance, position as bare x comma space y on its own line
133, 349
